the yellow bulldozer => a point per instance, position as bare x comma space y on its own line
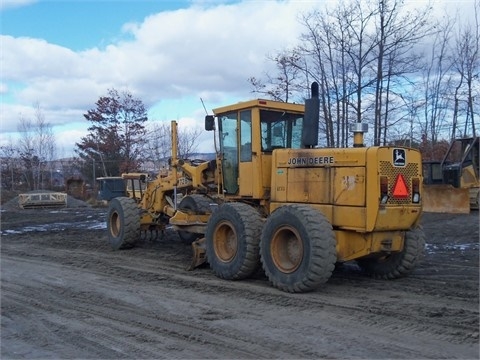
272, 199
452, 184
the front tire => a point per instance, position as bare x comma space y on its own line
399, 264
123, 223
297, 248
232, 241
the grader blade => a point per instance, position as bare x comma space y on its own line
446, 199
199, 254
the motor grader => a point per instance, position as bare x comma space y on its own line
272, 199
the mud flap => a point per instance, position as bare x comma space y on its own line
199, 254
445, 199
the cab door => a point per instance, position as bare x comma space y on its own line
229, 149
247, 175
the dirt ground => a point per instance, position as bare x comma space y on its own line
66, 294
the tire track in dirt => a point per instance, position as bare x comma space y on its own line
121, 315
370, 316
436, 315
91, 302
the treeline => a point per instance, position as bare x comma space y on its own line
120, 139
411, 77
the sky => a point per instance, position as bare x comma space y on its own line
61, 56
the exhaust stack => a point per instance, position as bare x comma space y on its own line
358, 129
311, 119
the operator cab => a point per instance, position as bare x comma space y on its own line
463, 154
248, 133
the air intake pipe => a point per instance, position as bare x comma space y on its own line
358, 129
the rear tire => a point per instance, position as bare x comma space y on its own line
232, 241
123, 223
195, 203
297, 248
400, 264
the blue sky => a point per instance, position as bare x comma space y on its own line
80, 24
61, 56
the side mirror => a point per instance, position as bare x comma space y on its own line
209, 122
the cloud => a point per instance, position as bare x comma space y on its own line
208, 50
3, 88
64, 143
171, 54
8, 4
203, 51
30, 59
213, 49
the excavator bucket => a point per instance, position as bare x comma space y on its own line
446, 199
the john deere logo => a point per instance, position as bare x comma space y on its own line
398, 157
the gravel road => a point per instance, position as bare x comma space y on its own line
66, 294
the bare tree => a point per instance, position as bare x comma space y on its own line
366, 57
26, 151
339, 48
285, 82
9, 165
436, 83
36, 149
321, 53
397, 33
45, 143
188, 142
466, 62
158, 144
158, 147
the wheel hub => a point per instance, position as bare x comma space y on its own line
115, 224
225, 242
287, 249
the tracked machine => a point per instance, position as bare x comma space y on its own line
272, 199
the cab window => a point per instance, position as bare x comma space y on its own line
280, 130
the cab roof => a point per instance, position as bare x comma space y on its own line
260, 103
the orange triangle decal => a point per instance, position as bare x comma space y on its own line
400, 189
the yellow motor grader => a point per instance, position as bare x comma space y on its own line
271, 199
